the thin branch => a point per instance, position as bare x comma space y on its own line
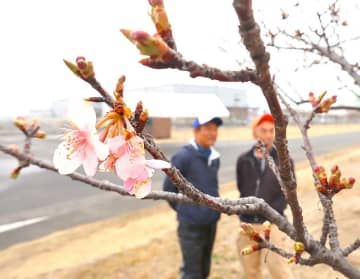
345, 108
323, 34
352, 247
250, 33
196, 70
329, 227
190, 194
333, 231
309, 262
97, 86
325, 228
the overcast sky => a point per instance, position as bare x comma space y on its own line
36, 35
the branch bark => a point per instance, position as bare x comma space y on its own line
250, 34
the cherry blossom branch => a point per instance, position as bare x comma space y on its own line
332, 228
250, 34
329, 223
178, 62
329, 51
325, 228
352, 247
190, 194
97, 86
309, 262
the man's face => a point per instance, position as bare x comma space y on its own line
206, 134
266, 133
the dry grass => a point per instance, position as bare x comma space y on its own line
143, 244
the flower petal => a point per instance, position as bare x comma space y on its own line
64, 163
157, 164
129, 185
117, 145
82, 114
101, 149
143, 190
90, 162
128, 166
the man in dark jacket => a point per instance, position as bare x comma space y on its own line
199, 162
255, 178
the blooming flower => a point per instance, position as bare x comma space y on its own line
131, 165
81, 146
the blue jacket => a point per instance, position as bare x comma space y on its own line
203, 174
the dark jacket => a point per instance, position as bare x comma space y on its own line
252, 180
203, 174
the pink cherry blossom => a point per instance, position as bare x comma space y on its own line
131, 165
81, 145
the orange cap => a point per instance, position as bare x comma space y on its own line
266, 117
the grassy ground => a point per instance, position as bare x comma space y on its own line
143, 244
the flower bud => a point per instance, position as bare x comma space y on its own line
299, 247
248, 230
321, 188
156, 2
86, 69
334, 169
312, 99
348, 182
15, 173
143, 118
119, 88
81, 62
250, 249
14, 148
292, 260
72, 67
21, 123
267, 230
40, 135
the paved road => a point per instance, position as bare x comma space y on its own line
50, 202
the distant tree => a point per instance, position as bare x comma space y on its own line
327, 35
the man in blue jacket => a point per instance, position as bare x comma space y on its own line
199, 162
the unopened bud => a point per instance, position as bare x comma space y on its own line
299, 247
15, 173
318, 169
119, 88
292, 260
348, 182
86, 69
81, 62
40, 135
14, 148
250, 249
140, 36
250, 232
321, 188
156, 2
334, 168
20, 122
267, 230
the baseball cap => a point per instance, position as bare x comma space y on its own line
266, 117
202, 120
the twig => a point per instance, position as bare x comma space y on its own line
352, 247
196, 70
250, 34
